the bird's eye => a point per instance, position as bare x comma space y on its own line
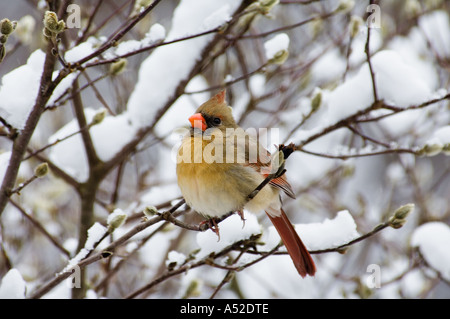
217, 121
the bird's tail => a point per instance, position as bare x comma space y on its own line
295, 247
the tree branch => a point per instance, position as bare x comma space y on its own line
21, 142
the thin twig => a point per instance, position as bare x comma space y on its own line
40, 228
101, 255
111, 42
369, 62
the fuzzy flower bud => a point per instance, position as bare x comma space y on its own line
413, 8
118, 66
193, 289
398, 219
150, 211
99, 117
280, 57
403, 211
267, 5
432, 148
446, 149
277, 49
355, 25
7, 27
116, 219
316, 100
345, 5
52, 24
41, 170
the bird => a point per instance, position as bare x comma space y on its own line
219, 165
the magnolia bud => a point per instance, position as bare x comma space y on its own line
355, 24
397, 223
277, 49
316, 27
433, 4
345, 5
398, 219
150, 211
413, 8
193, 289
7, 27
143, 3
403, 211
116, 219
267, 5
316, 100
446, 149
47, 33
118, 66
41, 170
280, 57
52, 24
431, 149
99, 117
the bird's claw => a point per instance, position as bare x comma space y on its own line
212, 224
241, 214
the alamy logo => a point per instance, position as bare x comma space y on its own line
73, 20
374, 18
374, 279
234, 145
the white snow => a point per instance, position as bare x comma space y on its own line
175, 257
442, 134
433, 241
436, 28
80, 51
12, 285
397, 83
330, 233
231, 230
257, 84
156, 33
18, 90
108, 137
329, 67
217, 18
95, 233
178, 114
278, 43
161, 72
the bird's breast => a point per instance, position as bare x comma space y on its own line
214, 188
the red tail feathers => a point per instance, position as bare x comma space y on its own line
295, 247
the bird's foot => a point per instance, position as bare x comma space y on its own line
212, 224
241, 214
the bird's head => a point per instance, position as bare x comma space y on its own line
214, 113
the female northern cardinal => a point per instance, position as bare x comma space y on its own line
216, 174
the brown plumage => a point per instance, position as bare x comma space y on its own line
219, 165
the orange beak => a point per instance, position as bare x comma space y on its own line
198, 121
